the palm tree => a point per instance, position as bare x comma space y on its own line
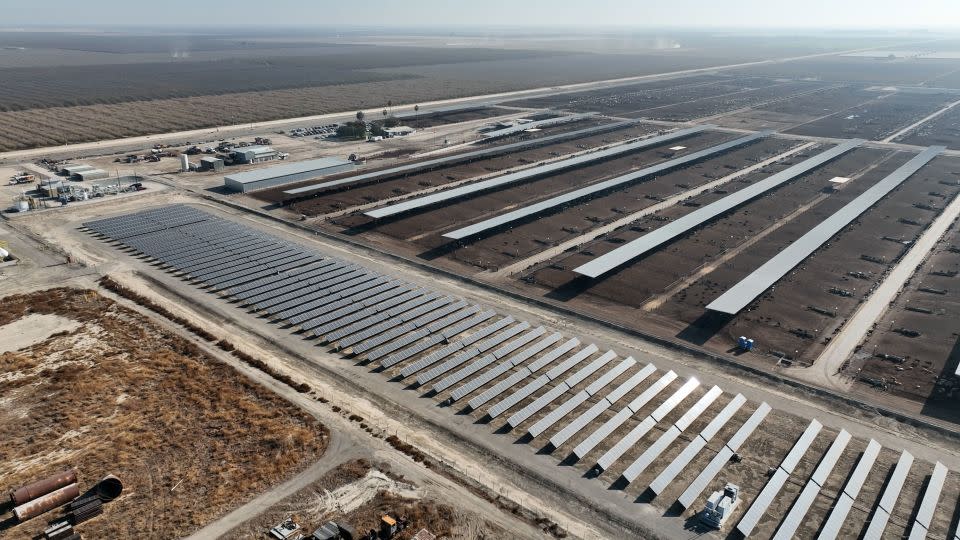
416, 112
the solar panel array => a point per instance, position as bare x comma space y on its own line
631, 250
528, 174
471, 351
798, 512
891, 494
723, 456
679, 463
928, 505
779, 478
844, 502
454, 159
598, 188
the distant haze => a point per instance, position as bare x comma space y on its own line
758, 14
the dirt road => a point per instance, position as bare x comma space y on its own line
825, 371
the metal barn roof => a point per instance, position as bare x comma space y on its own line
267, 173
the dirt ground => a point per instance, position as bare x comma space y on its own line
359, 493
189, 437
943, 130
783, 327
351, 196
926, 373
424, 229
878, 118
431, 119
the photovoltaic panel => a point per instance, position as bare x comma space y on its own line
891, 494
654, 389
597, 409
775, 484
504, 366
928, 505
537, 124
689, 496
631, 250
541, 381
599, 187
631, 383
860, 473
790, 462
369, 326
481, 347
679, 463
746, 430
638, 432
555, 415
523, 373
667, 437
432, 328
438, 338
354, 305
423, 318
761, 279
798, 512
526, 174
762, 502
609, 376
721, 419
618, 419
557, 391
435, 357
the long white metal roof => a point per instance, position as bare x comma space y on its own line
560, 200
458, 158
761, 279
536, 124
627, 252
519, 176
286, 169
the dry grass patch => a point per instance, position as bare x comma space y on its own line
190, 437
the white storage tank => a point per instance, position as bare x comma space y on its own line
4, 254
23, 205
184, 163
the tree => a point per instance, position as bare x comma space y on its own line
416, 112
352, 130
385, 113
360, 116
389, 104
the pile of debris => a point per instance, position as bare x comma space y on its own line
63, 490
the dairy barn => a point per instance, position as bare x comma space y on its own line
282, 175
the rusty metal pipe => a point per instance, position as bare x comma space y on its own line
48, 502
109, 488
42, 487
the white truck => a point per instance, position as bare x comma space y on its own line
719, 506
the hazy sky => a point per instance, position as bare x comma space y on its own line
577, 13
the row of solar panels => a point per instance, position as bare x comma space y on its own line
393, 322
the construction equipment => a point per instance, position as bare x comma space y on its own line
285, 529
719, 506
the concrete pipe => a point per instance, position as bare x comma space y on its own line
109, 488
46, 503
42, 487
